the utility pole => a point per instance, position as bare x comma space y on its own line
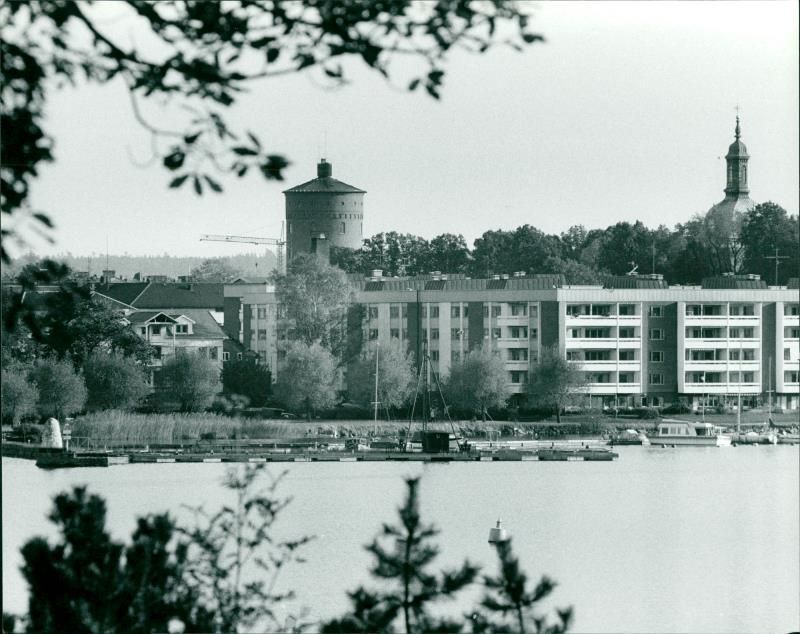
777, 259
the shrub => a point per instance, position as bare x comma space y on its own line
19, 396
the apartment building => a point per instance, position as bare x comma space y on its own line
637, 340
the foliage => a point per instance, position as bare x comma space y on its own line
200, 56
403, 553
19, 396
189, 380
89, 583
215, 270
62, 390
765, 228
526, 248
396, 376
508, 595
477, 384
114, 381
315, 296
308, 378
554, 381
235, 558
247, 378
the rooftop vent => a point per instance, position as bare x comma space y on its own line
377, 273
495, 277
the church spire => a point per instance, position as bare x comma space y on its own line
737, 158
738, 132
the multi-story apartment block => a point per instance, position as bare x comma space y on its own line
637, 340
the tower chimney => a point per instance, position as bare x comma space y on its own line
324, 169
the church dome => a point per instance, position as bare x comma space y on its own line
737, 149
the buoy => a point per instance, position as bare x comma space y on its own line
498, 534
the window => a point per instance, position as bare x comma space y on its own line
534, 311
496, 333
519, 376
654, 311
342, 228
485, 310
424, 310
226, 356
598, 355
627, 309
202, 352
434, 312
534, 333
404, 311
741, 333
434, 355
626, 377
518, 354
373, 334
262, 312
455, 312
627, 333
519, 332
791, 376
787, 354
455, 356
213, 353
602, 310
742, 310
791, 333
157, 352
602, 333
575, 333
485, 333
238, 356
155, 330
656, 356
182, 329
655, 378
456, 333
143, 330
656, 334
405, 333
424, 333
434, 333
372, 312
496, 310
394, 333
519, 310
262, 334
573, 355
627, 355
394, 312
791, 310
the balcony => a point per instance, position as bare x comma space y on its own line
710, 321
722, 388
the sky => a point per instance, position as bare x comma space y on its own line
625, 113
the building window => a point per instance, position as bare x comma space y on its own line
626, 377
574, 355
597, 355
604, 333
455, 312
519, 310
656, 334
425, 333
182, 329
791, 333
238, 356
434, 333
534, 333
262, 334
655, 378
213, 353
654, 311
372, 312
519, 376
791, 376
342, 228
405, 333
424, 310
394, 333
787, 354
434, 355
434, 312
518, 354
394, 312
156, 330
575, 333
656, 356
456, 333
466, 312
496, 310
496, 333
519, 332
226, 356
455, 356
791, 310
485, 310
627, 355
262, 312
627, 309
373, 334
485, 333
143, 330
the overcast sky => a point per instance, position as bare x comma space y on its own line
624, 113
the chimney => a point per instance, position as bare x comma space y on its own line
324, 169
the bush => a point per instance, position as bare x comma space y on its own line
649, 413
114, 381
61, 390
19, 396
26, 433
676, 408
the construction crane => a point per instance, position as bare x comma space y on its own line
278, 242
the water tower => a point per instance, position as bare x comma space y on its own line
323, 207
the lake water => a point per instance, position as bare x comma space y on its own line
661, 540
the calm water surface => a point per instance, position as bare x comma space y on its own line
662, 540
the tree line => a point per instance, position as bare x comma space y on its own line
708, 244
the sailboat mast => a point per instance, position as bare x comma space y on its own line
739, 405
377, 354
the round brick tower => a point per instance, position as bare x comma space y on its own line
323, 207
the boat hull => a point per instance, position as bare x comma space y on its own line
691, 441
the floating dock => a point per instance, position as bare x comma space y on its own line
52, 460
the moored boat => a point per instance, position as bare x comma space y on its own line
680, 433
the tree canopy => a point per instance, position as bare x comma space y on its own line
554, 381
477, 384
308, 378
396, 376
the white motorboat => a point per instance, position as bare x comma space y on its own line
681, 433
